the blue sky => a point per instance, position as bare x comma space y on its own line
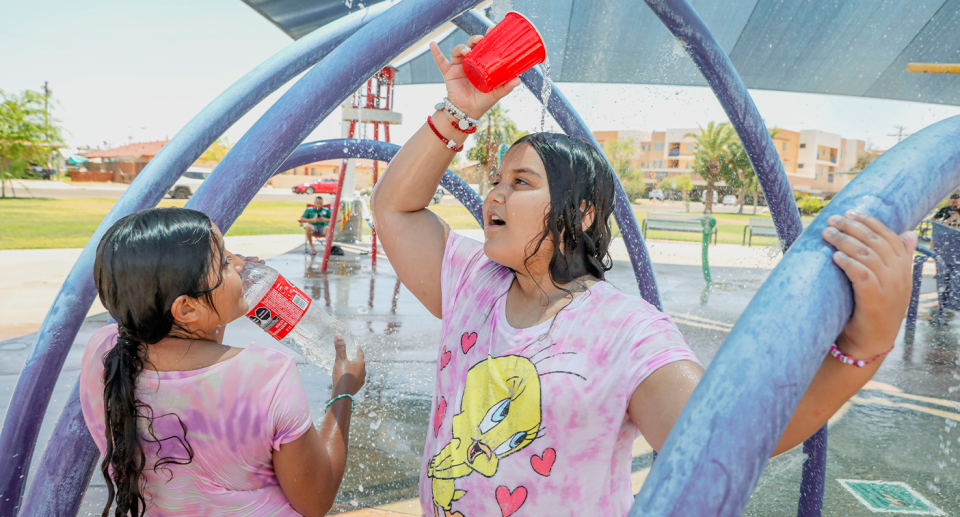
141, 70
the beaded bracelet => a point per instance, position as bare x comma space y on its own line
446, 141
456, 124
465, 121
859, 363
353, 403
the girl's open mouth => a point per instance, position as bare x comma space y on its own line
496, 221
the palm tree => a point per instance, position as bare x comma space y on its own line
739, 171
712, 144
495, 130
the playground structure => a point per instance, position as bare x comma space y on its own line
719, 446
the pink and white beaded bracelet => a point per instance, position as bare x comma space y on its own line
859, 363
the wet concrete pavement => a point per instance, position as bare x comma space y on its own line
908, 436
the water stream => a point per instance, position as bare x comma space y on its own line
545, 91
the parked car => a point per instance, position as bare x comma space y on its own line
656, 194
438, 195
730, 200
188, 183
38, 172
317, 186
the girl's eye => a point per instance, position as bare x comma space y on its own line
521, 182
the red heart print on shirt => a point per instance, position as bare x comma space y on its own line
510, 501
438, 418
445, 358
467, 340
543, 464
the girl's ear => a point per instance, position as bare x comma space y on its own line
187, 310
587, 214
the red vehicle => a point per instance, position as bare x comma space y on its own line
318, 186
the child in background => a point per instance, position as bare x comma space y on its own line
546, 374
187, 425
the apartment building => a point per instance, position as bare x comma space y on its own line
815, 161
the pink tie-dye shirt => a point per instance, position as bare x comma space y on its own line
236, 412
533, 422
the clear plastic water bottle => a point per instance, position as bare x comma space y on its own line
285, 312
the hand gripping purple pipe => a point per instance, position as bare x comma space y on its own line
35, 384
716, 452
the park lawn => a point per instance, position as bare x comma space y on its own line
40, 223
729, 226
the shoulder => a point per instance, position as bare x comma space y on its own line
260, 360
619, 310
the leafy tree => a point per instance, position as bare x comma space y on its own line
738, 171
865, 159
217, 150
27, 135
710, 156
496, 129
683, 183
619, 152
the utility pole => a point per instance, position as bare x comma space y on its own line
46, 117
900, 133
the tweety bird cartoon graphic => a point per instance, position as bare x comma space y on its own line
499, 415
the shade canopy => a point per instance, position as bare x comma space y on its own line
855, 47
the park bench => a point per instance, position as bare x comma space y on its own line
671, 222
762, 227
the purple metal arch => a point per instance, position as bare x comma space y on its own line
382, 151
712, 460
258, 154
473, 22
35, 384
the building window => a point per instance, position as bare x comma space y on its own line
674, 164
799, 165
841, 154
689, 147
830, 178
646, 148
803, 146
784, 147
643, 165
824, 152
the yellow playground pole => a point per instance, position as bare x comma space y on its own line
933, 68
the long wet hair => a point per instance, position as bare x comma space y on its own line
580, 180
144, 262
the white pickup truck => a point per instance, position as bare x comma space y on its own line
188, 183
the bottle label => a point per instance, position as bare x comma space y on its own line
280, 309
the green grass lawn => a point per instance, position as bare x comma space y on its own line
69, 223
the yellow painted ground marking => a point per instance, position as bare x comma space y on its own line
637, 479
690, 323
928, 296
406, 507
698, 318
923, 409
641, 447
933, 68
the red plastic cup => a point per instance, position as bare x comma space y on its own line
509, 49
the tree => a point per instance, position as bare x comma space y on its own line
620, 152
27, 134
217, 150
496, 129
683, 183
865, 159
710, 156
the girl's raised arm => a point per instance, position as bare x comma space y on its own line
415, 238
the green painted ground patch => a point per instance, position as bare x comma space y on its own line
889, 497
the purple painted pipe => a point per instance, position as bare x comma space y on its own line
813, 478
719, 446
473, 22
918, 261
258, 154
35, 384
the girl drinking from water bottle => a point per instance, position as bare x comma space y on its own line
546, 374
187, 425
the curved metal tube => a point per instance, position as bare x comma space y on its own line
687, 26
382, 151
35, 384
258, 154
713, 458
473, 22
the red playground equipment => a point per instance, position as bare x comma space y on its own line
372, 104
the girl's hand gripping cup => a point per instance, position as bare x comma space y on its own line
509, 49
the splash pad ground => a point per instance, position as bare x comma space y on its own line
883, 434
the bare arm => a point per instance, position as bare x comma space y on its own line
878, 264
310, 468
413, 237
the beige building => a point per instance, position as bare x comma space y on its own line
815, 161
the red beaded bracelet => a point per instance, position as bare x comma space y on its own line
456, 124
446, 141
859, 363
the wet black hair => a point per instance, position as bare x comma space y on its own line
954, 196
578, 175
144, 262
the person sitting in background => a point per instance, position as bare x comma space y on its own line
315, 219
951, 212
